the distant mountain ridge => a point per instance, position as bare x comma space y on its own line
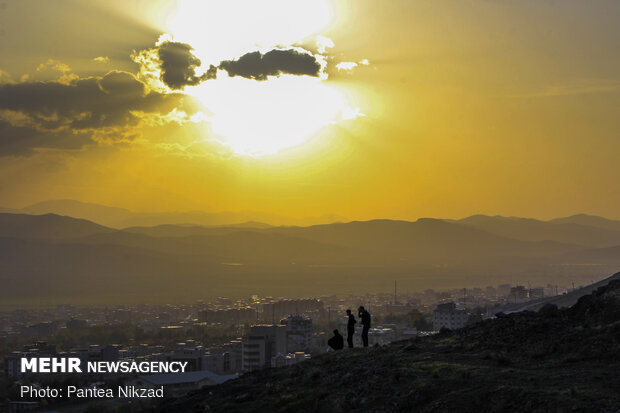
191, 261
590, 220
47, 226
121, 218
571, 230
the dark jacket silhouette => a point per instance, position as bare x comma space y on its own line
365, 317
336, 342
350, 328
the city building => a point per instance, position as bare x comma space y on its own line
449, 316
188, 352
518, 294
281, 360
537, 292
298, 333
261, 344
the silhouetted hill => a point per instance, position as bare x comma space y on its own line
195, 262
121, 218
188, 230
423, 239
105, 215
48, 226
238, 245
551, 361
566, 230
589, 220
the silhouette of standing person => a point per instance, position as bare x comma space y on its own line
336, 342
350, 328
365, 316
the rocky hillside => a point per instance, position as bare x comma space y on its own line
554, 360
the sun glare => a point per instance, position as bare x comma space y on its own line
226, 29
258, 117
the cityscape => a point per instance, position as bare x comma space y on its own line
223, 339
302, 206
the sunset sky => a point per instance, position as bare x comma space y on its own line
359, 108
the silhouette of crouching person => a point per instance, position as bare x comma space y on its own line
364, 315
336, 342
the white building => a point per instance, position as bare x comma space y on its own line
449, 316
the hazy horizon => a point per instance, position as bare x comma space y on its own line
328, 217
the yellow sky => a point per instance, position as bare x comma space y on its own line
501, 107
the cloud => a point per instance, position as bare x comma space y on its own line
346, 65
59, 115
56, 65
66, 77
22, 140
258, 66
172, 65
178, 65
351, 65
169, 66
323, 43
5, 77
101, 59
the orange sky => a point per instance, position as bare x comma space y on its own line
466, 107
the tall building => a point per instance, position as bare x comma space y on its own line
537, 292
298, 333
449, 316
503, 290
261, 344
518, 294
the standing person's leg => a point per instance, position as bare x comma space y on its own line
350, 338
365, 336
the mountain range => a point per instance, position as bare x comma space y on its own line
55, 257
115, 217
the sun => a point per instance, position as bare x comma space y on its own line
258, 117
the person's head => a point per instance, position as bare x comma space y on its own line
361, 308
349, 312
336, 332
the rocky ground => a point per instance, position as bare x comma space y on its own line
565, 360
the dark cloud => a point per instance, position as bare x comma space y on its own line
21, 141
62, 115
178, 65
258, 66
